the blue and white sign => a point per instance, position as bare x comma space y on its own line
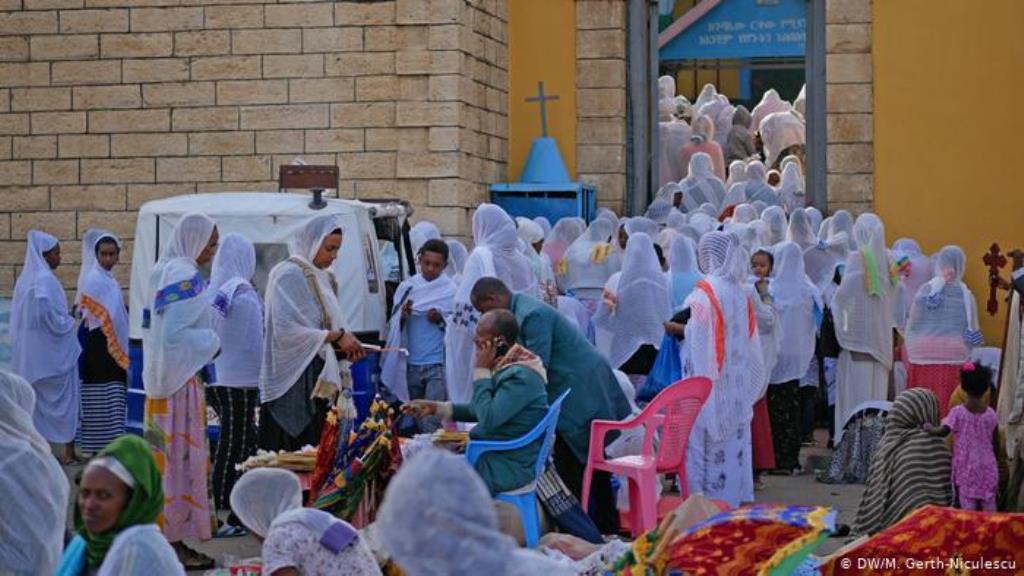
741, 29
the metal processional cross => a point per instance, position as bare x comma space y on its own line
543, 107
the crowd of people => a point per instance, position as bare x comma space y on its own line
726, 276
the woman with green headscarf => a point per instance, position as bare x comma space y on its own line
119, 499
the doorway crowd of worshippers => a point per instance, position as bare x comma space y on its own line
761, 300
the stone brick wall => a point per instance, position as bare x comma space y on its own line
107, 104
849, 88
601, 98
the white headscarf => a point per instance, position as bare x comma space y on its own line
265, 499
770, 103
795, 298
544, 224
738, 376
800, 229
565, 232
779, 131
496, 253
814, 215
659, 210
529, 231
421, 232
775, 218
683, 271
35, 489
916, 269
864, 320
791, 188
440, 491
842, 222
943, 313
100, 299
754, 189
744, 214
701, 184
457, 256
233, 268
641, 224
591, 260
39, 317
295, 327
180, 339
737, 173
642, 303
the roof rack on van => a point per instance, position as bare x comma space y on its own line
388, 207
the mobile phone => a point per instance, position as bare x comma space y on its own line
500, 347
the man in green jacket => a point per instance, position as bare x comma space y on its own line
509, 400
571, 363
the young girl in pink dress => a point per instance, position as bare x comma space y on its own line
973, 424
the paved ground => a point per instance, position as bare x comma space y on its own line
789, 490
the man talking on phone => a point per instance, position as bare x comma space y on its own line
571, 363
509, 399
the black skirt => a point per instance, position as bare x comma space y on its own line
98, 366
294, 420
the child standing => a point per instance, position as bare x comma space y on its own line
763, 453
973, 424
418, 324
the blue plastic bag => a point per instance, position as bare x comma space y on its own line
667, 370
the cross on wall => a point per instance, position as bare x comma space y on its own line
543, 100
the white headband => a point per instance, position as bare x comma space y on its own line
114, 466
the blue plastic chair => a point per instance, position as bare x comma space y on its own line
525, 498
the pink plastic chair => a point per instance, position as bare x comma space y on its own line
674, 410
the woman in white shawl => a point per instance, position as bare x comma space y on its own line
438, 519
798, 303
782, 134
725, 347
790, 191
238, 320
179, 343
457, 256
533, 243
104, 362
304, 327
701, 185
942, 328
915, 268
35, 489
737, 173
862, 309
775, 218
298, 540
45, 348
496, 254
799, 231
631, 318
565, 232
770, 103
590, 261
754, 189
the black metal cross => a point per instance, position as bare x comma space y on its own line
543, 107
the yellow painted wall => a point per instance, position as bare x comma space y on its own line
949, 128
542, 47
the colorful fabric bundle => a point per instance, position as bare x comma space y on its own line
759, 539
362, 466
965, 542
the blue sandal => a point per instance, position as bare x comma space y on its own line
229, 531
